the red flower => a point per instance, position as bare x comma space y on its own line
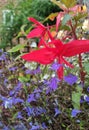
57, 50
39, 31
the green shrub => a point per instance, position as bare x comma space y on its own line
38, 9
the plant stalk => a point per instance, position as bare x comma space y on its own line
82, 73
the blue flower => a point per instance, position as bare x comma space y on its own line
86, 98
19, 116
75, 112
20, 126
36, 71
88, 89
34, 126
16, 89
39, 110
55, 66
37, 95
35, 111
44, 125
5, 82
70, 79
30, 111
8, 102
17, 100
6, 128
3, 57
13, 68
57, 112
31, 98
52, 84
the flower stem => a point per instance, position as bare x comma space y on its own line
82, 73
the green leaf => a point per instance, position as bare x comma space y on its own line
17, 48
69, 3
76, 97
51, 17
80, 16
23, 79
66, 18
86, 66
58, 3
64, 27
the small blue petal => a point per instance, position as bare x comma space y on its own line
75, 112
88, 89
57, 112
70, 79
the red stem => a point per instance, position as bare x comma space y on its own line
82, 73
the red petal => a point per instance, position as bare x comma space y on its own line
36, 22
43, 56
67, 63
75, 47
61, 69
37, 32
60, 72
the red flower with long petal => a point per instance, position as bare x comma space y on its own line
57, 50
39, 31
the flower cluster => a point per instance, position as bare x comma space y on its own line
46, 93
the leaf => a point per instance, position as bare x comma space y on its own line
51, 16
76, 96
23, 27
66, 18
23, 79
17, 48
80, 16
64, 27
58, 3
86, 66
69, 3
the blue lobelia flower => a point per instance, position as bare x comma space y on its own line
75, 112
16, 89
17, 100
87, 89
20, 126
13, 68
34, 126
39, 111
8, 102
36, 71
70, 79
44, 126
55, 66
57, 112
53, 83
86, 98
31, 97
30, 111
19, 115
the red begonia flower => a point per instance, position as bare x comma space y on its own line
57, 50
